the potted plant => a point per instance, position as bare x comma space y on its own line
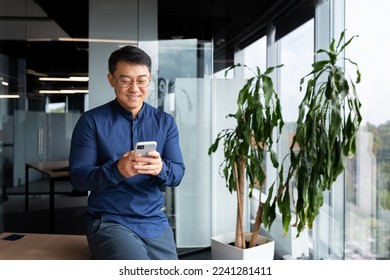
245, 146
329, 118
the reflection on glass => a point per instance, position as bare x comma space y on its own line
367, 188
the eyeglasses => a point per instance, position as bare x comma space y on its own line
141, 82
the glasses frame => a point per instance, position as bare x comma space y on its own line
131, 82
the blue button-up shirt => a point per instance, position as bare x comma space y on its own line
101, 136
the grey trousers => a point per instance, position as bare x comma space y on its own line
113, 241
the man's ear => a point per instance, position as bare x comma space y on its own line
110, 78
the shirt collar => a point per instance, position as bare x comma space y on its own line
121, 110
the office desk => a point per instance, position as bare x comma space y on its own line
55, 171
44, 247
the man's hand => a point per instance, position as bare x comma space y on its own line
131, 164
126, 164
152, 164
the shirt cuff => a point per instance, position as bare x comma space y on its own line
161, 178
117, 174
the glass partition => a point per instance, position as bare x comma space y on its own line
184, 91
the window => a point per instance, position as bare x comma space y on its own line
367, 182
255, 55
296, 54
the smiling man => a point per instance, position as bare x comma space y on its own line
124, 216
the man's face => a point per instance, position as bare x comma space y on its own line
131, 85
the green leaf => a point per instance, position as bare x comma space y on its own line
318, 66
286, 212
274, 159
268, 89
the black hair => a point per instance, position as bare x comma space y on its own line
129, 54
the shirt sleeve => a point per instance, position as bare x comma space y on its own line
173, 164
85, 172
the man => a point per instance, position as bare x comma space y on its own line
124, 216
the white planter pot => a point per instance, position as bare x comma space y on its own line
222, 250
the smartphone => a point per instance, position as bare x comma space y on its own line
14, 237
144, 147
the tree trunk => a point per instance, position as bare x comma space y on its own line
256, 226
240, 181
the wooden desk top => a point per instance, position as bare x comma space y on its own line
53, 169
44, 247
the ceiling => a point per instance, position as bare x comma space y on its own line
226, 22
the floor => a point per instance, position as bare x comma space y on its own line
69, 214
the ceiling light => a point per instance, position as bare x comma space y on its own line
69, 79
130, 42
63, 91
9, 96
